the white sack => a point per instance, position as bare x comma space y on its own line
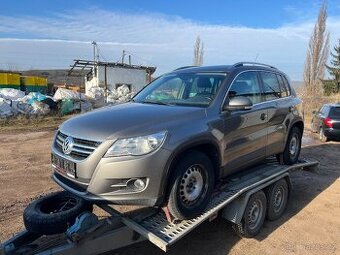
11, 94
61, 94
5, 109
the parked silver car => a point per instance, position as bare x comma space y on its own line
179, 136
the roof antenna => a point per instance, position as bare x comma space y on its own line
257, 55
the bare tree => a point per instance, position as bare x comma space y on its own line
198, 52
317, 55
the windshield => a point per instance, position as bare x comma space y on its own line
189, 89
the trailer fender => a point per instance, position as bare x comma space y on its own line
234, 211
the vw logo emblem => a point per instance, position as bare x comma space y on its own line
68, 145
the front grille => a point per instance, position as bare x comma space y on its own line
81, 148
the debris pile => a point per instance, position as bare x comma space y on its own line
14, 102
120, 95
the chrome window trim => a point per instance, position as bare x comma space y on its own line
264, 102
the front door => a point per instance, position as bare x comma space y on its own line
245, 131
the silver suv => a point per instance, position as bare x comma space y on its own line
179, 137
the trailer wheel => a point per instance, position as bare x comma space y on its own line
253, 216
192, 185
54, 213
277, 195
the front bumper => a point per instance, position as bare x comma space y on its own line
112, 180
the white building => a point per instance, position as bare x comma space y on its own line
112, 75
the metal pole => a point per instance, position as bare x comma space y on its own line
94, 58
106, 94
123, 56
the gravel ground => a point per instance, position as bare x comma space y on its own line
310, 225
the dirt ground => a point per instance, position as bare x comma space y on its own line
310, 225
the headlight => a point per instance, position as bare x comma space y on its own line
136, 145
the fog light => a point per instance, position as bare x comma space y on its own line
139, 184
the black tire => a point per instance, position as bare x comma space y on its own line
289, 158
322, 136
54, 213
247, 228
194, 172
277, 196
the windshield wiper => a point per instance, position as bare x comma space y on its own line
155, 102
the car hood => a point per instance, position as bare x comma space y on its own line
128, 120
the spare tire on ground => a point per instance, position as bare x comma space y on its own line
54, 213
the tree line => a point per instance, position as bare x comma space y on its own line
315, 83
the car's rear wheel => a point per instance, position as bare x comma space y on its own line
191, 186
293, 147
322, 136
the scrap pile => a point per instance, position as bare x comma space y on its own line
14, 102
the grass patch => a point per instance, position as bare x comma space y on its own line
32, 123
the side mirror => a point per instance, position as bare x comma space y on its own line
238, 103
313, 112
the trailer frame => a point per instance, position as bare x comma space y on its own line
123, 229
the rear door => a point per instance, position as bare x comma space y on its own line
245, 134
320, 116
278, 103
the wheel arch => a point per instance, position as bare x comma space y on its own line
299, 124
207, 147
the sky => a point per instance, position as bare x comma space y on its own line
51, 34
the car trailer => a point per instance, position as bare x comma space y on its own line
244, 199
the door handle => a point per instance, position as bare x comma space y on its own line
263, 116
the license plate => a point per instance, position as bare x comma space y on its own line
64, 166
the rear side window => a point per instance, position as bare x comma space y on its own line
324, 110
285, 81
283, 86
247, 85
271, 86
334, 112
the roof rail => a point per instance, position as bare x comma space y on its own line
252, 63
183, 67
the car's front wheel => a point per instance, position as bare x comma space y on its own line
192, 185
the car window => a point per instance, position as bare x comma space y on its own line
168, 90
283, 86
186, 89
326, 110
271, 86
285, 81
247, 85
335, 112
